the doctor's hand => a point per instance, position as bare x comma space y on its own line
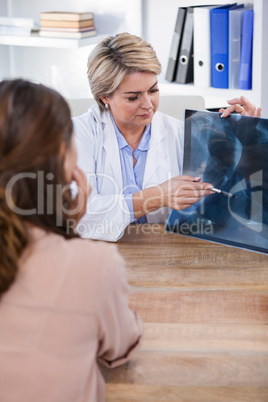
243, 106
178, 193
78, 205
181, 192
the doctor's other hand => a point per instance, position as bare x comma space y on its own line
181, 192
243, 106
78, 206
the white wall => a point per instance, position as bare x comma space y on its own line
111, 15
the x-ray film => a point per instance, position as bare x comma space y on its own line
232, 154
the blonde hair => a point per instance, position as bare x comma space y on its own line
114, 58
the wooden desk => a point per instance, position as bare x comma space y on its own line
205, 313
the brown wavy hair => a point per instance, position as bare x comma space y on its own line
34, 122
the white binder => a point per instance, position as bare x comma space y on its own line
235, 36
202, 52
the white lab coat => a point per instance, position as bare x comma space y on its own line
107, 213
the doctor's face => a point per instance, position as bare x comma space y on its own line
135, 101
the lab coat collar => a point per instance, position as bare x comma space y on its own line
156, 157
110, 145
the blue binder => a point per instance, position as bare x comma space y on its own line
219, 32
245, 73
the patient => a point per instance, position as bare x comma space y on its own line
63, 300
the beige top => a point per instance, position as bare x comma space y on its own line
67, 307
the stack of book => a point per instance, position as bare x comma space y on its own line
212, 47
67, 24
17, 26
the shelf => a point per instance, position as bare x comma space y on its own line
37, 41
214, 97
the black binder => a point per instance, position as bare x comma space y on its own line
185, 63
176, 45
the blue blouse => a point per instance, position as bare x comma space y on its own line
132, 177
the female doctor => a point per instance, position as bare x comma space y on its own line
130, 152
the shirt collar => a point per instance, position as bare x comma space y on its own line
144, 144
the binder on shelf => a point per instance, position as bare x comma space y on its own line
175, 45
219, 34
235, 36
185, 63
202, 52
245, 73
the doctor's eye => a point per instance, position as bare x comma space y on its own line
155, 90
132, 98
